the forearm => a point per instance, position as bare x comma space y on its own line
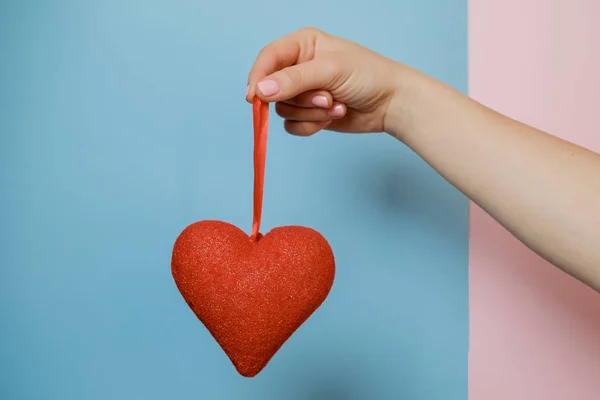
542, 189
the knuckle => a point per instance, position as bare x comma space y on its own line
298, 128
263, 51
280, 109
293, 75
289, 127
267, 54
310, 30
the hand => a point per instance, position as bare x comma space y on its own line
320, 81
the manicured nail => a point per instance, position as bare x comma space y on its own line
268, 88
320, 101
247, 90
336, 111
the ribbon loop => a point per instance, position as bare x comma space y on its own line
260, 118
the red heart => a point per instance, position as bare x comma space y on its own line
252, 296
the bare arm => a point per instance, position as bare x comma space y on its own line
544, 190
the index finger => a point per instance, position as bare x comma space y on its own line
294, 48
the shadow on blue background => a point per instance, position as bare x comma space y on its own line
123, 121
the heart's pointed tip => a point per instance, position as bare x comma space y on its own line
249, 374
248, 371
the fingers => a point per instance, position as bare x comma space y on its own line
304, 128
291, 49
312, 98
303, 121
293, 113
323, 73
286, 72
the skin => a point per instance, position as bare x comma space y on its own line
544, 190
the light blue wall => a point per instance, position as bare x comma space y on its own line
123, 121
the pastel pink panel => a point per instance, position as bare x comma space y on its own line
535, 332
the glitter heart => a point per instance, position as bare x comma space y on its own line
252, 295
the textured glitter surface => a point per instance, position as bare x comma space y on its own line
252, 296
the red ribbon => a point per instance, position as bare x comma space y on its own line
260, 117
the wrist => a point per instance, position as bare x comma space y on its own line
406, 90
418, 103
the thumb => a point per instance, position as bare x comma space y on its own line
323, 73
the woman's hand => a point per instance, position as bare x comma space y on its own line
320, 81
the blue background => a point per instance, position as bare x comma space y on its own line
124, 121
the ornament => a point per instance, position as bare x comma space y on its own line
252, 292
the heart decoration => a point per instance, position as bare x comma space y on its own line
252, 292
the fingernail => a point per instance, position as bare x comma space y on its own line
336, 111
247, 90
320, 101
268, 88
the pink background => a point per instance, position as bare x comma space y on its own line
535, 332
